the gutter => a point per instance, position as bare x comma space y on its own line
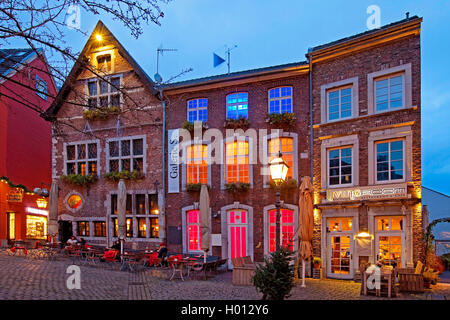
311, 130
164, 159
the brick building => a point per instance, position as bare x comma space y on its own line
25, 144
109, 120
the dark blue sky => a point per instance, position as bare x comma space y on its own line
276, 32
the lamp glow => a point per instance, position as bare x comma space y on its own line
278, 169
42, 203
99, 37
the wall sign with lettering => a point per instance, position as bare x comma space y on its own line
173, 174
367, 193
14, 195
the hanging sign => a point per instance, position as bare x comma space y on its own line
368, 193
173, 174
14, 195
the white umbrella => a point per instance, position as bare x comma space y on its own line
204, 219
121, 208
52, 228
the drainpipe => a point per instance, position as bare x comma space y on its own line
311, 132
164, 159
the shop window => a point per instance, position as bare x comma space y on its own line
340, 166
287, 150
286, 227
36, 227
82, 158
197, 110
142, 228
197, 163
236, 162
237, 105
389, 223
154, 227
126, 155
99, 228
83, 228
193, 230
340, 224
280, 100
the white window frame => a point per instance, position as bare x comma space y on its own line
131, 156
184, 211
389, 141
102, 53
342, 84
237, 103
184, 176
196, 109
87, 160
328, 167
224, 165
339, 90
269, 99
389, 77
102, 95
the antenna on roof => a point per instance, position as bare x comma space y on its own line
219, 60
159, 51
407, 16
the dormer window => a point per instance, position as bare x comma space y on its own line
104, 62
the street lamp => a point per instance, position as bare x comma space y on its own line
278, 172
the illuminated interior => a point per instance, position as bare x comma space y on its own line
340, 224
193, 230
237, 221
237, 162
286, 227
197, 165
340, 254
287, 149
36, 227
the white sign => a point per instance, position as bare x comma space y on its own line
366, 193
173, 172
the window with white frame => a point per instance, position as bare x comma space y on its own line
197, 110
280, 100
339, 103
126, 154
340, 166
197, 163
236, 162
389, 92
82, 158
237, 105
390, 161
103, 94
285, 145
286, 228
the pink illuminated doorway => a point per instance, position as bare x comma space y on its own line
237, 234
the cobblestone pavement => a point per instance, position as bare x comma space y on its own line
23, 278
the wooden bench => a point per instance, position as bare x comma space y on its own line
411, 280
243, 271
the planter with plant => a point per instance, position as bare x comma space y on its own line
115, 176
281, 119
237, 187
275, 278
240, 123
79, 180
100, 113
287, 185
317, 263
189, 126
195, 187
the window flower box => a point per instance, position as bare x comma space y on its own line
100, 113
189, 126
237, 187
79, 180
281, 119
240, 123
115, 176
195, 187
289, 184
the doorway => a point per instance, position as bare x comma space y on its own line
64, 230
10, 227
390, 240
237, 234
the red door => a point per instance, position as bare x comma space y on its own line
237, 234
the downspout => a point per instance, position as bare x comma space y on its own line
164, 159
311, 138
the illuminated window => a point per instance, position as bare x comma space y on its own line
196, 164
193, 230
389, 223
104, 62
286, 228
340, 166
389, 92
99, 228
36, 227
153, 204
83, 228
154, 227
339, 103
236, 162
287, 150
126, 154
197, 110
280, 100
82, 158
390, 160
237, 105
340, 224
140, 204
142, 228
129, 225
103, 93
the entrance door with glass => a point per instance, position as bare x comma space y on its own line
237, 234
11, 226
340, 248
390, 240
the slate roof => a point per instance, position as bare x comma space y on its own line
10, 59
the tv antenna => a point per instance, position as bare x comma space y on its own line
218, 60
161, 51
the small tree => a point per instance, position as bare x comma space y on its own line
275, 279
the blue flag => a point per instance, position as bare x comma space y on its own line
217, 60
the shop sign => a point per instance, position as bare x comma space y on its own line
368, 193
15, 195
173, 174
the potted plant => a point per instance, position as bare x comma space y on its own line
190, 126
281, 119
317, 262
237, 186
240, 123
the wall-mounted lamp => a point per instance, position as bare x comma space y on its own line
216, 214
98, 37
364, 235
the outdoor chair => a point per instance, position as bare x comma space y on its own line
177, 268
198, 269
411, 280
243, 271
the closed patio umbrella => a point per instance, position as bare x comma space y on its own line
204, 219
306, 220
121, 208
53, 212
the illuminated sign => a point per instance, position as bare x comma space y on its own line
74, 201
15, 195
368, 193
37, 211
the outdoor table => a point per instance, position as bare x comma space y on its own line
384, 275
127, 258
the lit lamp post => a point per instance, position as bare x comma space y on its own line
278, 172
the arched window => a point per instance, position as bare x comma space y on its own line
236, 162
286, 146
237, 105
286, 228
197, 163
197, 110
280, 100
